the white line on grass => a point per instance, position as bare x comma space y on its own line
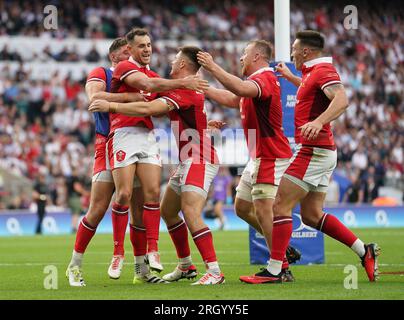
36, 264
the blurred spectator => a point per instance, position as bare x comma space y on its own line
221, 194
332, 197
45, 123
75, 190
93, 55
40, 196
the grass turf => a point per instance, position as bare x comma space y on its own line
23, 259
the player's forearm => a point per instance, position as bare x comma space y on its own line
337, 107
132, 109
141, 108
294, 79
229, 81
160, 85
116, 97
223, 97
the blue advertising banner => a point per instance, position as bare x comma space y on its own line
22, 223
307, 240
288, 96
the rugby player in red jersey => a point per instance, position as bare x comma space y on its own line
98, 87
259, 100
189, 185
133, 150
321, 98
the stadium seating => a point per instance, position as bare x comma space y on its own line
44, 124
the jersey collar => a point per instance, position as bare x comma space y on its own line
262, 70
138, 64
313, 62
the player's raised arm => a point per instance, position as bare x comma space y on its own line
223, 97
142, 82
95, 90
134, 109
339, 103
232, 83
285, 72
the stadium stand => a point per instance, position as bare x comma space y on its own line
44, 123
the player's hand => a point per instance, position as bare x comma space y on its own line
215, 124
206, 60
311, 129
283, 70
195, 83
99, 106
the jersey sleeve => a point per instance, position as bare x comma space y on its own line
327, 76
123, 69
97, 74
176, 98
263, 84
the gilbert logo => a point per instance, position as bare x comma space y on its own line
120, 156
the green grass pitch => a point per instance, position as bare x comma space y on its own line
23, 259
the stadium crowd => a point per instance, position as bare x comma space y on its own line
45, 126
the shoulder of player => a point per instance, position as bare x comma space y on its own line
96, 73
266, 76
97, 69
324, 68
125, 65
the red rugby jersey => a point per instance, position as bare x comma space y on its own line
264, 115
122, 70
189, 125
311, 101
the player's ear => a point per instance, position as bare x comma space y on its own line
111, 57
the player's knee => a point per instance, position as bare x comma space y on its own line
242, 211
152, 195
123, 196
310, 220
193, 220
190, 211
263, 213
279, 209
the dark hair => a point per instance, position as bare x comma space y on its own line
264, 46
311, 38
117, 43
191, 53
130, 36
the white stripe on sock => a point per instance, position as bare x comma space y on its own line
322, 222
151, 208
288, 219
87, 227
198, 235
120, 212
177, 226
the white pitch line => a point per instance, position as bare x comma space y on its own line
36, 264
169, 252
